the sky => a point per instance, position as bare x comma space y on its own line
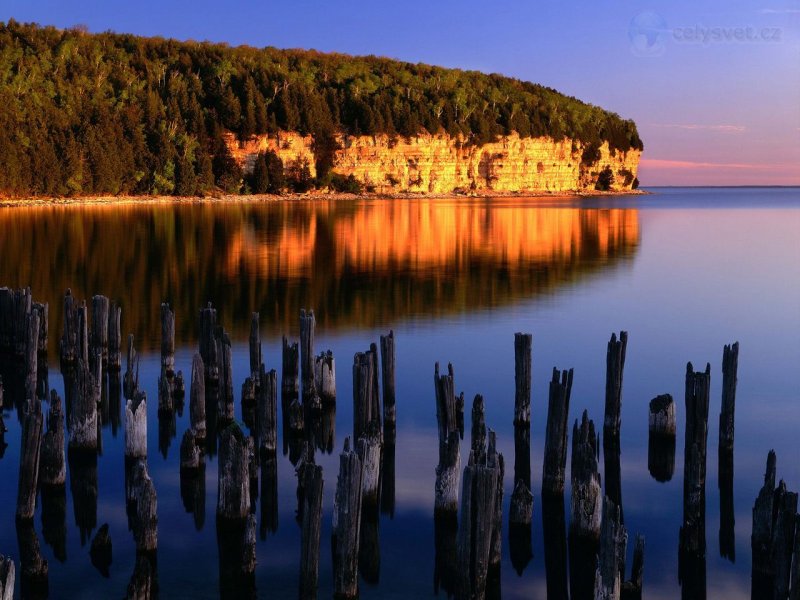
714, 86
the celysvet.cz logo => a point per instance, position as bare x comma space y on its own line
650, 35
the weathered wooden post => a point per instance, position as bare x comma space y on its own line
269, 493
693, 530
114, 338
727, 520
190, 455
369, 453
255, 347
136, 427
388, 380
267, 412
773, 539
43, 310
307, 326
52, 464
99, 331
448, 469
82, 422
69, 338
209, 349
478, 531
363, 379
347, 524
586, 502
197, 398
311, 530
226, 408
166, 396
555, 449
141, 585
31, 356
192, 477
615, 364
144, 508
521, 509
167, 339
611, 561
290, 388
661, 442
730, 364
130, 383
233, 499
7, 578
325, 377
30, 448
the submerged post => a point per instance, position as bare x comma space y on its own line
131, 380
311, 530
167, 339
307, 326
52, 465
114, 338
136, 427
388, 379
347, 524
730, 365
197, 398
233, 499
255, 347
31, 444
267, 412
661, 442
99, 332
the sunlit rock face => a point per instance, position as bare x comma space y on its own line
441, 164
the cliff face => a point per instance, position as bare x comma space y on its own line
441, 164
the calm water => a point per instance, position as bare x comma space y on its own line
684, 271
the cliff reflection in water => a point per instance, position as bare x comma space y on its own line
358, 263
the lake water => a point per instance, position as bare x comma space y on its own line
683, 270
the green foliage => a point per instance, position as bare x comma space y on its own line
605, 180
349, 184
299, 177
119, 114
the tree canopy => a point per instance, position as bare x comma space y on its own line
114, 113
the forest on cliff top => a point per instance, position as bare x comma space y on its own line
107, 113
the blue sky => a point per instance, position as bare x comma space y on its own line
714, 86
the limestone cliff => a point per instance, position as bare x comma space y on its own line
440, 164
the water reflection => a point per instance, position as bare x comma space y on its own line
356, 262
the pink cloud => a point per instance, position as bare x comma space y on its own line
699, 127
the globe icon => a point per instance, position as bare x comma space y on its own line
647, 33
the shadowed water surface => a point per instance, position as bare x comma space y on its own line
684, 271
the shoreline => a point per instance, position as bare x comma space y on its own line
308, 196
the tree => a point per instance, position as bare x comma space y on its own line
605, 180
259, 178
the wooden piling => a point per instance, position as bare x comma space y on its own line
555, 449
267, 411
692, 533
99, 332
325, 377
209, 349
613, 544
587, 499
167, 339
773, 541
32, 323
290, 361
144, 504
478, 529
101, 550
130, 383
166, 396
346, 524
30, 448
388, 379
43, 310
449, 466
307, 326
311, 530
233, 499
369, 453
197, 398
730, 364
114, 338
82, 418
225, 408
69, 337
522, 378
255, 347
52, 463
191, 457
136, 427
7, 578
363, 379
142, 584
615, 364
34, 569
